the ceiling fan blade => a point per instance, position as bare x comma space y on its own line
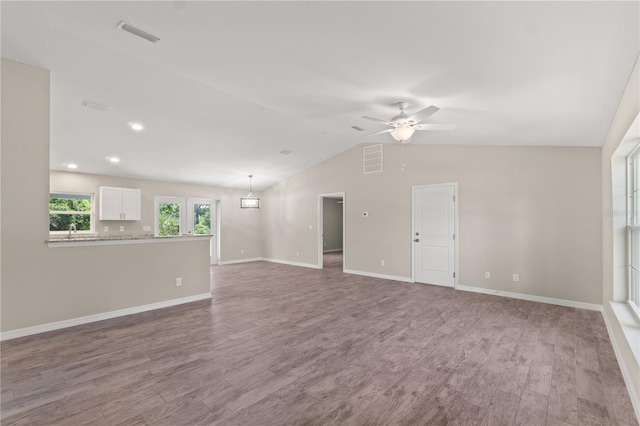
388, 123
434, 126
423, 113
377, 133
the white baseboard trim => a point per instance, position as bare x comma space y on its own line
532, 298
43, 328
635, 400
331, 250
375, 275
231, 262
288, 262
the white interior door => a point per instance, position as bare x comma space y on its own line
434, 227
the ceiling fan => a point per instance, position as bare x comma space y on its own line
403, 125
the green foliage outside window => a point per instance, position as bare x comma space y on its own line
68, 209
169, 221
202, 219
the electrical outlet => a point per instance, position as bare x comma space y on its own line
382, 262
106, 229
487, 274
297, 253
516, 277
241, 251
122, 229
146, 228
310, 227
178, 281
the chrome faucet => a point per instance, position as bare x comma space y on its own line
73, 228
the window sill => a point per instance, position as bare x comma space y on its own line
64, 234
630, 325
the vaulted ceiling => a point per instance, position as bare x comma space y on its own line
232, 84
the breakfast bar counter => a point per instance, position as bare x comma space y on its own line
108, 240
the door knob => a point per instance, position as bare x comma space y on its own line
417, 240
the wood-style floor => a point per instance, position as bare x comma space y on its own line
284, 345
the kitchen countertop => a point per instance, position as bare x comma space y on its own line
105, 240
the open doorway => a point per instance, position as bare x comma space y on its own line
331, 230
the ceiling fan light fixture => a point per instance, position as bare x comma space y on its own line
403, 126
403, 132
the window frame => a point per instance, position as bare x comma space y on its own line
186, 225
162, 199
633, 228
190, 223
91, 213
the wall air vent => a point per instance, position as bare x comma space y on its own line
94, 105
138, 32
372, 156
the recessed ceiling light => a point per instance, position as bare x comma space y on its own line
114, 159
72, 166
136, 126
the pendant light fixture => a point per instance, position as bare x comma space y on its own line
250, 202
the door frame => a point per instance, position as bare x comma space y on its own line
414, 188
320, 227
186, 222
213, 243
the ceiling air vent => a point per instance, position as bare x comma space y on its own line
138, 32
372, 158
94, 105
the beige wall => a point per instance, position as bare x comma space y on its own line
40, 285
614, 269
331, 224
534, 211
529, 210
239, 228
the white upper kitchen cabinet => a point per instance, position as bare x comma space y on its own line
119, 203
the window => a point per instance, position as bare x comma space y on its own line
169, 216
199, 219
178, 216
67, 211
633, 229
